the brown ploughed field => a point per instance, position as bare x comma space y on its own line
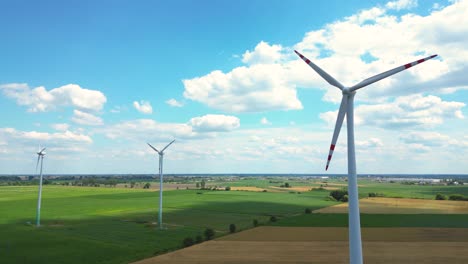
326, 245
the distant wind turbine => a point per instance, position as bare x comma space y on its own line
161, 156
40, 156
347, 108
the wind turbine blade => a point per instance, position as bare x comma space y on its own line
388, 73
153, 148
167, 145
339, 123
37, 163
321, 72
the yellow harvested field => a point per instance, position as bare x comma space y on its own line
380, 205
295, 189
247, 188
326, 245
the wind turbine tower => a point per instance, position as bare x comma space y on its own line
347, 109
40, 156
161, 156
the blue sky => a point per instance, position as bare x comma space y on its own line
93, 81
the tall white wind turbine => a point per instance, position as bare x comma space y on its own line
347, 108
161, 156
40, 156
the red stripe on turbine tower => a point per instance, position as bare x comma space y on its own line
421, 60
329, 157
408, 65
332, 147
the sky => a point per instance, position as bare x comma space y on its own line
94, 81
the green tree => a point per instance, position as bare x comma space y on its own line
147, 185
255, 222
228, 188
202, 184
440, 196
232, 228
273, 218
209, 233
198, 239
308, 211
287, 185
187, 242
338, 194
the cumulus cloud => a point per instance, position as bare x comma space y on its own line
40, 100
34, 137
147, 129
425, 138
83, 118
339, 48
404, 112
60, 126
263, 53
143, 107
258, 88
401, 4
214, 123
174, 103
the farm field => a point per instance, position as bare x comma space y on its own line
118, 224
382, 205
326, 245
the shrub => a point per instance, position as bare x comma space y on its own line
228, 188
209, 233
187, 242
338, 194
264, 191
440, 196
344, 199
198, 239
255, 222
372, 194
147, 185
273, 218
232, 228
308, 211
457, 197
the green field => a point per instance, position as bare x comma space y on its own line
111, 225
117, 225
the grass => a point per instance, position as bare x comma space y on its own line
112, 225
117, 225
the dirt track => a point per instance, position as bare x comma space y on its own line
326, 245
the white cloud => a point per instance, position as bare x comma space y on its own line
264, 121
34, 138
40, 100
425, 138
143, 107
83, 118
174, 103
263, 53
404, 112
60, 127
258, 88
214, 123
147, 130
401, 4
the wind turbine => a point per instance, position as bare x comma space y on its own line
161, 156
347, 108
40, 156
